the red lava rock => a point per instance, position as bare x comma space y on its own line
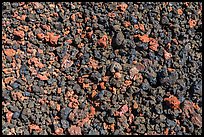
52, 38
19, 33
7, 70
131, 118
153, 44
41, 77
167, 55
128, 82
102, 41
126, 23
141, 26
93, 63
89, 34
66, 62
74, 130
59, 131
143, 38
23, 17
111, 15
173, 102
124, 109
34, 127
192, 23
40, 35
123, 6
36, 62
133, 71
38, 5
73, 17
102, 85
10, 52
9, 115
117, 75
8, 80
189, 111
179, 11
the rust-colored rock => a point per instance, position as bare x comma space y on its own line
10, 52
9, 115
41, 77
189, 112
173, 102
34, 127
192, 23
74, 130
19, 33
40, 35
167, 55
123, 6
102, 41
179, 11
59, 131
153, 44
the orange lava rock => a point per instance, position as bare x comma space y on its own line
126, 23
8, 80
173, 102
59, 90
40, 35
135, 105
131, 118
40, 51
105, 78
93, 63
92, 110
166, 131
58, 107
179, 11
9, 115
74, 130
93, 93
86, 85
102, 85
111, 15
34, 127
170, 69
9, 52
123, 6
189, 112
167, 55
23, 17
36, 62
19, 33
73, 17
136, 26
53, 39
41, 77
59, 131
153, 44
124, 109
89, 34
117, 75
143, 38
128, 82
141, 26
192, 23
102, 41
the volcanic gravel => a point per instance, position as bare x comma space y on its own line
101, 68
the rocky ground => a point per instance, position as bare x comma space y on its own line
96, 68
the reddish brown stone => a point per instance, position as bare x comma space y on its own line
19, 33
74, 130
10, 52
